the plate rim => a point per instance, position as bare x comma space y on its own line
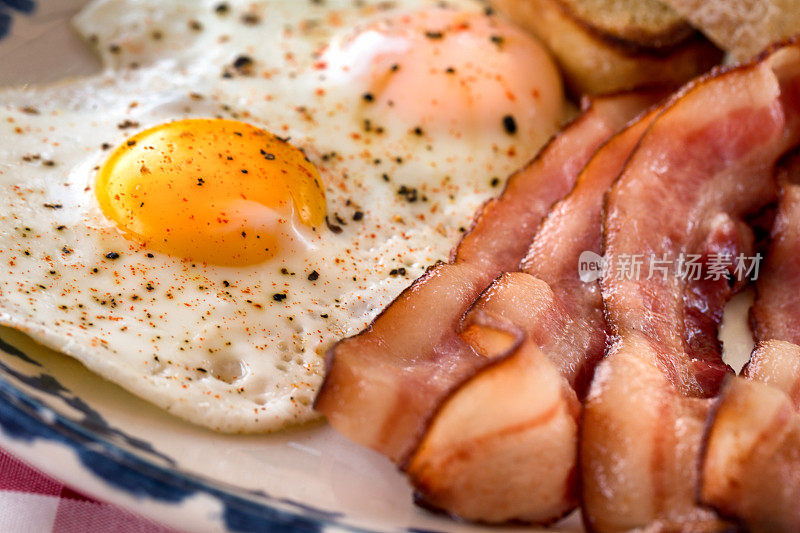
25, 419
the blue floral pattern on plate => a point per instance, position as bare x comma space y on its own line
8, 8
103, 449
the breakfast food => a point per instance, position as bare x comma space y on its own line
523, 411
749, 462
248, 181
604, 46
774, 309
482, 409
705, 165
381, 385
741, 27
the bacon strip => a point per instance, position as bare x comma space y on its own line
751, 461
382, 385
514, 457
704, 166
776, 310
499, 447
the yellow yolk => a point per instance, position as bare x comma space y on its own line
212, 190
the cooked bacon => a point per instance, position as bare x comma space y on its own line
776, 310
382, 385
494, 453
572, 228
751, 462
573, 332
514, 458
505, 226
705, 165
776, 363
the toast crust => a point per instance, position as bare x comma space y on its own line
596, 62
742, 27
618, 29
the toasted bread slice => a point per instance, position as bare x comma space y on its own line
742, 27
605, 46
637, 23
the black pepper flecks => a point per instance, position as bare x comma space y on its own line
333, 227
279, 296
409, 193
250, 19
128, 124
112, 255
243, 65
313, 276
510, 124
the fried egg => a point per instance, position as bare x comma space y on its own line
247, 182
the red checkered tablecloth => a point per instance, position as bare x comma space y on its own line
31, 502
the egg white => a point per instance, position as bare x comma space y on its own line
213, 344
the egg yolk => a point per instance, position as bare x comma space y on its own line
212, 190
461, 73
